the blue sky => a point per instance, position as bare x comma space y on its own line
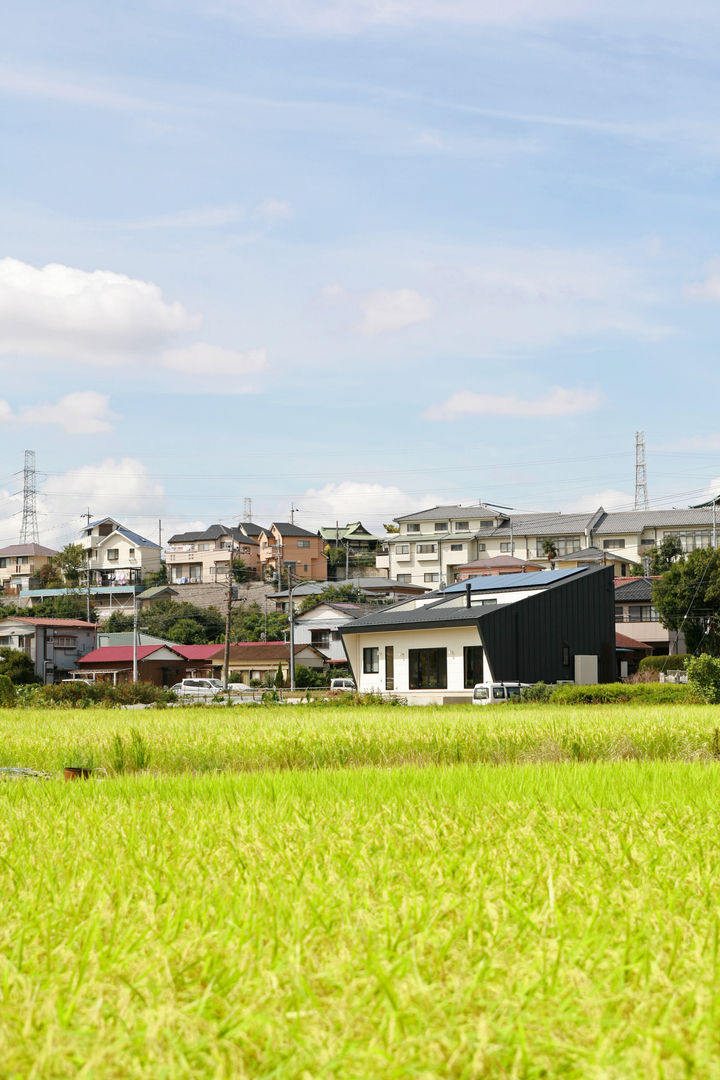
356, 257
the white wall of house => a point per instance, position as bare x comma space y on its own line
321, 627
454, 639
119, 555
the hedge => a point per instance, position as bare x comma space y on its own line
664, 663
606, 693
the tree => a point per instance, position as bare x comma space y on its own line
666, 555
279, 680
18, 666
69, 562
248, 624
241, 572
704, 677
346, 594
687, 598
550, 551
187, 632
164, 617
391, 528
119, 623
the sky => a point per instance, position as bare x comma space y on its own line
356, 257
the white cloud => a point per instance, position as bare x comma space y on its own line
560, 401
97, 317
611, 499
351, 500
84, 412
274, 210
119, 488
393, 310
709, 289
333, 292
202, 359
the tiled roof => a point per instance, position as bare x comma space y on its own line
634, 521
122, 654
286, 528
245, 651
622, 641
451, 512
637, 589
493, 561
197, 652
213, 532
26, 549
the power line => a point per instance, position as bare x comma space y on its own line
29, 528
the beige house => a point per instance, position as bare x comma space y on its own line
256, 659
204, 557
636, 618
21, 562
432, 544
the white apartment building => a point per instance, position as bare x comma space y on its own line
433, 543
117, 556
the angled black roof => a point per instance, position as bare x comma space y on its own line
638, 590
286, 528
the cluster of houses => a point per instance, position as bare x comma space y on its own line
451, 595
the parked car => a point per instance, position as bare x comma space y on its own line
495, 693
198, 688
342, 684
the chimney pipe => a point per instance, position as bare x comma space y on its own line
468, 591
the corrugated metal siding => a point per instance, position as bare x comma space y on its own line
524, 641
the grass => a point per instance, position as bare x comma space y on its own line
465, 922
174, 741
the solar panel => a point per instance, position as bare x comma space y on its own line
498, 582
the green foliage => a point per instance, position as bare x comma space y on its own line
391, 528
63, 568
605, 693
305, 676
704, 677
18, 666
248, 624
81, 695
157, 577
241, 571
664, 556
7, 691
71, 606
187, 632
664, 663
692, 587
119, 623
279, 680
347, 594
549, 548
166, 619
538, 692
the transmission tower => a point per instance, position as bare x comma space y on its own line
247, 509
29, 528
641, 495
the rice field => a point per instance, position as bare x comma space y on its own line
206, 739
526, 920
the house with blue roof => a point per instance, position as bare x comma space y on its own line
550, 626
115, 555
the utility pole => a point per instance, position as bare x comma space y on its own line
135, 637
293, 511
228, 612
88, 515
292, 632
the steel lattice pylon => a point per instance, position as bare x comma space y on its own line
641, 495
29, 528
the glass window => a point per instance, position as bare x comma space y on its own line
441, 526
3, 562
481, 547
505, 546
389, 667
402, 549
456, 547
564, 545
499, 693
428, 669
619, 613
413, 527
473, 665
371, 660
431, 577
487, 524
303, 543
426, 549
618, 542
481, 693
320, 638
462, 526
112, 554
404, 579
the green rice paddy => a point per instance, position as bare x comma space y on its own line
268, 911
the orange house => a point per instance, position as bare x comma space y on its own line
288, 547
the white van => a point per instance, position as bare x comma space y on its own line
342, 684
495, 693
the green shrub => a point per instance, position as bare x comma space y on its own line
704, 677
607, 693
539, 692
664, 663
7, 690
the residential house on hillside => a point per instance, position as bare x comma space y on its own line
551, 626
433, 543
105, 599
54, 645
285, 546
116, 555
19, 563
204, 556
636, 617
351, 547
320, 627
